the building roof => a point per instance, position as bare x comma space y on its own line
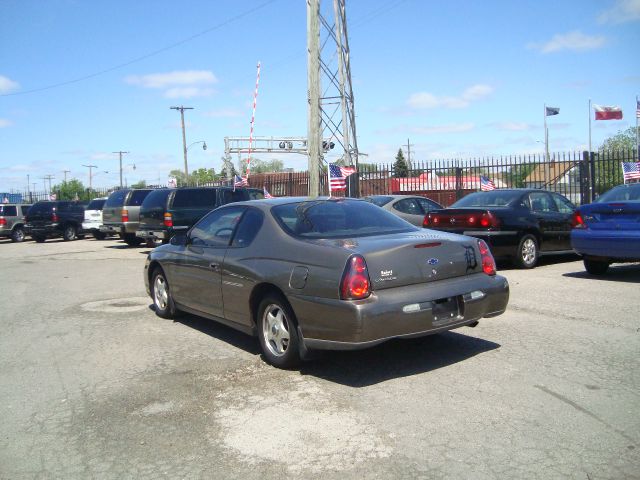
557, 170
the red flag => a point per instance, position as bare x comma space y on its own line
607, 113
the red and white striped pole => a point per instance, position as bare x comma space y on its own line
253, 117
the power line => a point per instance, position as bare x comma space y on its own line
148, 55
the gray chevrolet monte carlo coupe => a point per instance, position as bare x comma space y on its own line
323, 273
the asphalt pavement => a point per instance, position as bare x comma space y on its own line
94, 385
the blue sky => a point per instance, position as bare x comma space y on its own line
459, 79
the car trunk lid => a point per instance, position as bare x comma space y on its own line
612, 216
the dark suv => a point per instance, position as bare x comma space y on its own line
54, 219
169, 211
12, 221
120, 214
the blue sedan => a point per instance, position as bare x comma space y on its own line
608, 230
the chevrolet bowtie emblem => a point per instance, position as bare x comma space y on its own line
453, 220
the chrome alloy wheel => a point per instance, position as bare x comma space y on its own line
528, 251
275, 330
160, 293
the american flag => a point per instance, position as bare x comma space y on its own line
630, 171
338, 175
266, 193
486, 184
240, 181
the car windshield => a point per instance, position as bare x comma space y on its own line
495, 198
379, 200
337, 219
96, 204
621, 193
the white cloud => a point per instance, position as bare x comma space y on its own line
512, 126
177, 84
223, 113
574, 41
5, 123
452, 128
623, 11
425, 100
188, 92
7, 85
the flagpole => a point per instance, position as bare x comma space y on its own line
329, 177
637, 131
546, 135
589, 127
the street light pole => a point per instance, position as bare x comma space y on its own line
119, 153
182, 108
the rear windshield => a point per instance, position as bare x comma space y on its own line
380, 201
256, 194
116, 199
156, 199
230, 196
96, 204
41, 207
195, 197
337, 219
621, 193
8, 210
137, 197
496, 198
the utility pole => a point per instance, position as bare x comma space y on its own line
28, 186
314, 133
48, 177
65, 174
91, 167
119, 153
409, 145
182, 108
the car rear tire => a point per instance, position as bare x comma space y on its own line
161, 294
131, 240
17, 235
596, 267
527, 253
69, 233
278, 333
99, 235
39, 238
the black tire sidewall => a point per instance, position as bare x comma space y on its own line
65, 233
17, 235
291, 357
595, 267
39, 239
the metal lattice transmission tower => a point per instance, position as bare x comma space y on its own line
331, 118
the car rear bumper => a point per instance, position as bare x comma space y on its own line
410, 311
51, 230
611, 244
112, 229
152, 234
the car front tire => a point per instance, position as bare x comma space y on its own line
39, 238
99, 235
527, 253
17, 235
131, 240
277, 332
161, 294
596, 267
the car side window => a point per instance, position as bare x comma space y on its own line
248, 228
563, 205
408, 205
428, 205
216, 229
542, 202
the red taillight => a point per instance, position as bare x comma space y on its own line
488, 220
168, 220
3, 221
577, 221
54, 217
431, 219
355, 284
124, 213
488, 262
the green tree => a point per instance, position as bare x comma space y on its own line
181, 179
202, 175
263, 166
400, 167
140, 184
621, 141
615, 149
71, 190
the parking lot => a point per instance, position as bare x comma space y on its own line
94, 385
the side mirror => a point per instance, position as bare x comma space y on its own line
179, 239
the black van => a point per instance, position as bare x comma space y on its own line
166, 212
